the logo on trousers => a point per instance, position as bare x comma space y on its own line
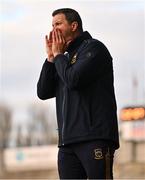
98, 153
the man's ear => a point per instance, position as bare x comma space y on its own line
74, 26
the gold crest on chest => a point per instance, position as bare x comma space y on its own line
74, 59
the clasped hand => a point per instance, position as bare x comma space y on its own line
55, 44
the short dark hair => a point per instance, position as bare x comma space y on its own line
71, 16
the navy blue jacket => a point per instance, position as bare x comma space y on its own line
82, 82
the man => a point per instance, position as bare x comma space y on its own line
78, 72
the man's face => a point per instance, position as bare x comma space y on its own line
59, 22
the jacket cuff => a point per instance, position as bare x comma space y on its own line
59, 56
47, 66
48, 63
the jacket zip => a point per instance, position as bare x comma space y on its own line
63, 116
63, 105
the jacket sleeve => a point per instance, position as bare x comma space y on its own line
94, 60
47, 82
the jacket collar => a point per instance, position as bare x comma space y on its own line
77, 41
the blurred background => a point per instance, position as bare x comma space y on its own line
28, 129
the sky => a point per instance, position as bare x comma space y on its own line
120, 25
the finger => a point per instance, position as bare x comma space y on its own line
53, 36
56, 35
46, 39
50, 35
61, 36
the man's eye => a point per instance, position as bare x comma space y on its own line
58, 24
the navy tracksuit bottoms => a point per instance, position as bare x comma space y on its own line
86, 160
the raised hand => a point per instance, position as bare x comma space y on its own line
58, 42
48, 43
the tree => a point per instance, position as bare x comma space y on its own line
42, 124
5, 129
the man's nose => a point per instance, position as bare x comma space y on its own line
55, 27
